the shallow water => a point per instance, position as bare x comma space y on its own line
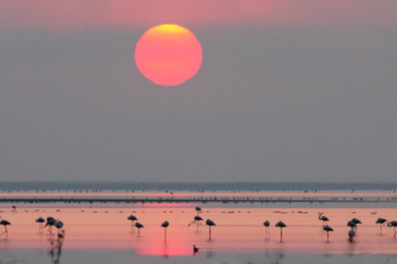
239, 231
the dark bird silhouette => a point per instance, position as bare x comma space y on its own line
351, 235
132, 218
198, 210
5, 223
267, 229
394, 225
40, 220
58, 224
328, 229
50, 223
351, 224
139, 226
381, 221
14, 209
195, 249
210, 223
197, 220
281, 225
356, 221
323, 218
165, 224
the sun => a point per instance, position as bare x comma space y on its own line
168, 54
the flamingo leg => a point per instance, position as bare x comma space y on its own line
281, 235
210, 233
327, 236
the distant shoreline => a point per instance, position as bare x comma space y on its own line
220, 197
194, 186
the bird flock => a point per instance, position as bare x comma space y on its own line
50, 223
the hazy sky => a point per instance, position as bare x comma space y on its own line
288, 91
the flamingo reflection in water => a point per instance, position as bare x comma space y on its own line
351, 235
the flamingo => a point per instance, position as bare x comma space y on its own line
356, 221
58, 224
328, 229
5, 223
267, 224
139, 226
351, 224
381, 221
351, 235
210, 223
197, 220
393, 224
281, 225
165, 224
198, 210
50, 222
40, 220
132, 218
323, 218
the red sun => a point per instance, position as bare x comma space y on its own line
168, 54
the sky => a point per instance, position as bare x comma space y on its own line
288, 91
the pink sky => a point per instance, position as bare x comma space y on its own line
82, 14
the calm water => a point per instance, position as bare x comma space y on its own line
239, 232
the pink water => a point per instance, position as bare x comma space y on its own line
238, 229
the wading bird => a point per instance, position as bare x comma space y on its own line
351, 224
381, 221
164, 225
281, 225
132, 218
356, 221
267, 229
210, 223
139, 226
328, 229
59, 224
50, 223
393, 224
40, 220
5, 223
323, 218
198, 210
197, 220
